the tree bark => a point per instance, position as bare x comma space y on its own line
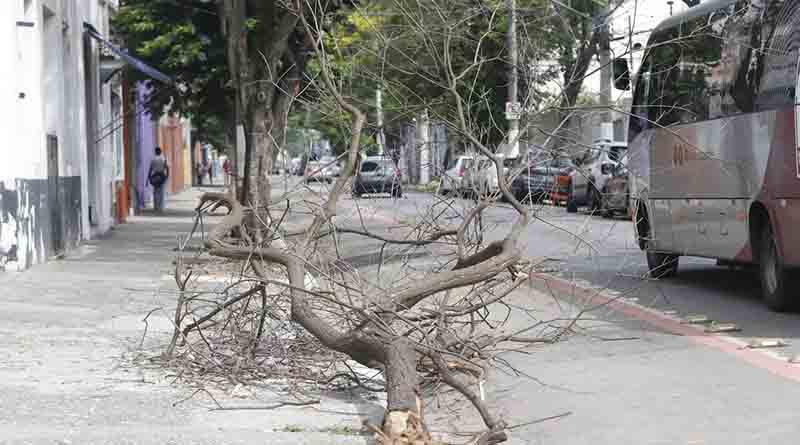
255, 57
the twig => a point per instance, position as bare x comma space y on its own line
543, 419
265, 407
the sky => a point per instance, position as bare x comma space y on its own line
643, 15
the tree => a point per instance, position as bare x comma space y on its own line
424, 325
582, 30
184, 41
409, 72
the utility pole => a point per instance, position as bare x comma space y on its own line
379, 107
423, 129
512, 104
670, 3
605, 72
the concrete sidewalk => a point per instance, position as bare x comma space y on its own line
68, 327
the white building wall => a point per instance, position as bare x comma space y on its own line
43, 91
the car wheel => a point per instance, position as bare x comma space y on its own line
775, 281
662, 265
572, 205
397, 192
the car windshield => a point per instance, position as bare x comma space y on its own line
615, 153
372, 166
369, 166
560, 163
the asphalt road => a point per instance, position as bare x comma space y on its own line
602, 253
658, 385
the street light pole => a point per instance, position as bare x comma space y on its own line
512, 105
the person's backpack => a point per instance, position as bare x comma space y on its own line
158, 178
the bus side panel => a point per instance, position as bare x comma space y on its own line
709, 171
781, 189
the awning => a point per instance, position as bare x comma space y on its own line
132, 61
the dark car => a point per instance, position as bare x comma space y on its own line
542, 179
377, 175
616, 194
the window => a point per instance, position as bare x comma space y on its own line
678, 76
616, 152
369, 167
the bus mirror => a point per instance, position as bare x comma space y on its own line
621, 73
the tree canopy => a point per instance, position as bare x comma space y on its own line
183, 40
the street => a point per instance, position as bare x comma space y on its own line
624, 379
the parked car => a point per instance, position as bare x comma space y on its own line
332, 166
542, 179
488, 181
452, 177
471, 178
616, 194
378, 175
316, 171
296, 167
596, 167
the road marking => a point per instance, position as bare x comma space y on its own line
761, 358
715, 327
772, 343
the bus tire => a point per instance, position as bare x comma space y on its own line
775, 285
662, 265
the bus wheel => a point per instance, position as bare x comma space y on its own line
662, 265
774, 277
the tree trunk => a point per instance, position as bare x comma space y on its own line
403, 417
573, 82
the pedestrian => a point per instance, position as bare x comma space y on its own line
226, 168
207, 170
198, 171
157, 175
214, 169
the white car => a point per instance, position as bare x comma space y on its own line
488, 180
595, 168
331, 165
454, 175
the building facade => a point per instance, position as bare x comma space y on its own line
57, 165
70, 157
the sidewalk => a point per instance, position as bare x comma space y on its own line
65, 330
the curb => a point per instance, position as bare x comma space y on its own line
572, 292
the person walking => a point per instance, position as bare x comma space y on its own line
226, 168
157, 175
214, 169
198, 171
206, 171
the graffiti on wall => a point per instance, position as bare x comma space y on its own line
28, 234
8, 224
